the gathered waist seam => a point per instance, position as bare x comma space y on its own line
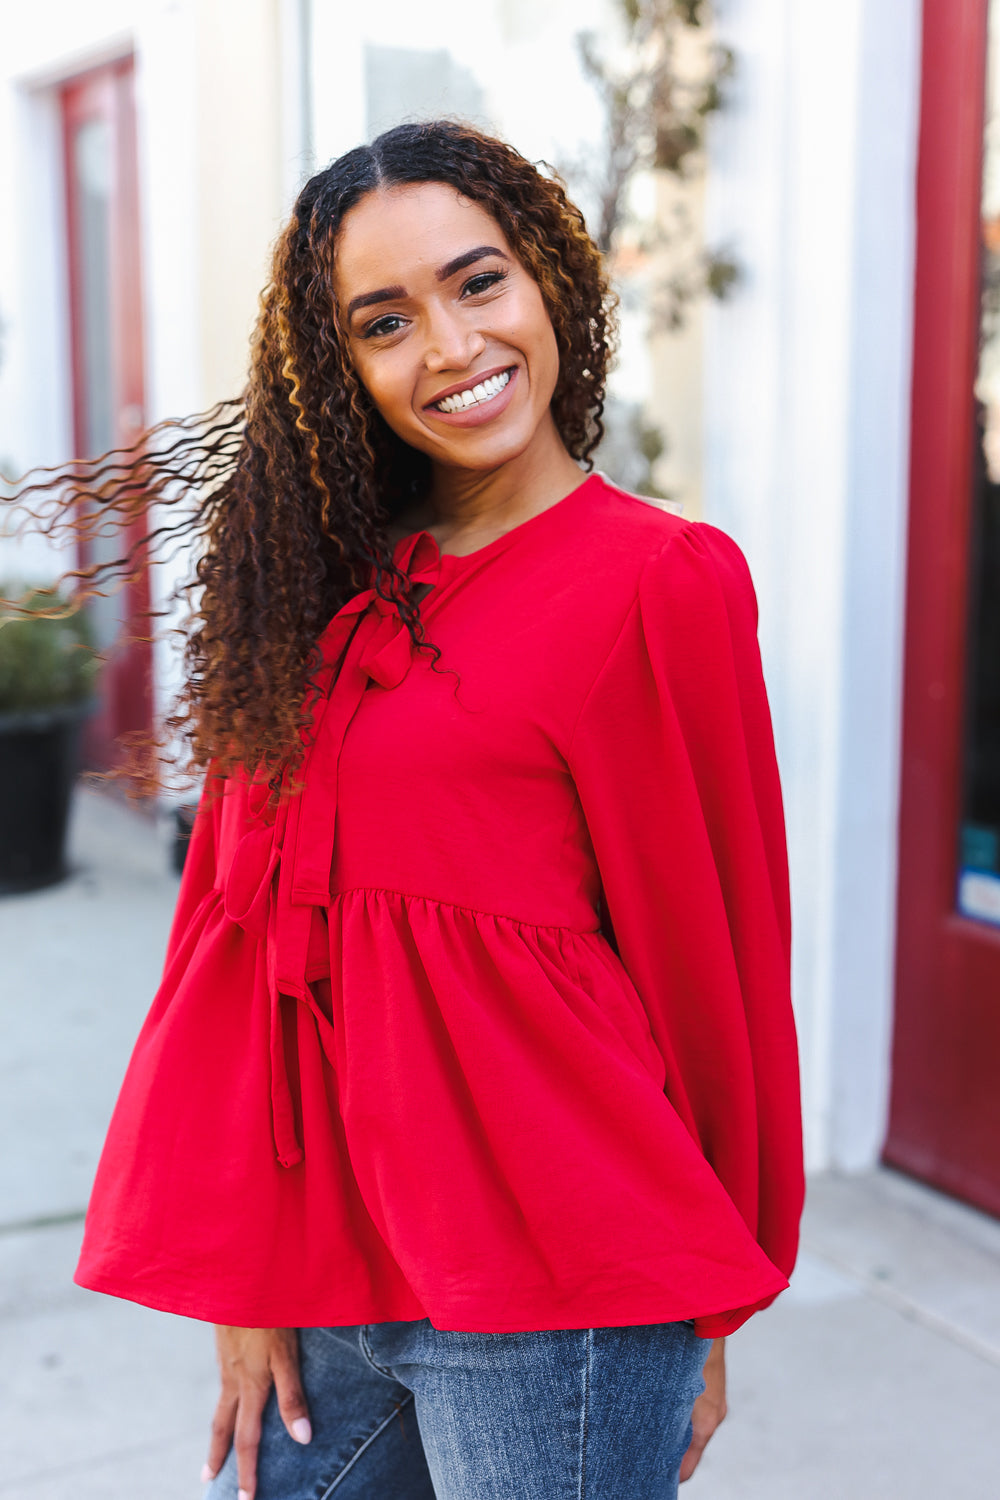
475, 911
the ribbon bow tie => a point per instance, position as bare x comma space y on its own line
280, 871
388, 651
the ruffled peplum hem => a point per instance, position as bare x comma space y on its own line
439, 1178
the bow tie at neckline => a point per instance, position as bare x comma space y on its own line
387, 652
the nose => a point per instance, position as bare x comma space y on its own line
453, 342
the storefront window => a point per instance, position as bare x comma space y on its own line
979, 851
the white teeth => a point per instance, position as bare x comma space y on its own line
484, 391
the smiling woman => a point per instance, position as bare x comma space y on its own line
478, 315
467, 1109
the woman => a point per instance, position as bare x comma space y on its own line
467, 1109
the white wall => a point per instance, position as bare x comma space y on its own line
806, 396
522, 55
35, 413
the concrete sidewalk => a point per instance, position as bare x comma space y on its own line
875, 1377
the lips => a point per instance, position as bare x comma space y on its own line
480, 411
469, 384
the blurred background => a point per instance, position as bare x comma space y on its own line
800, 204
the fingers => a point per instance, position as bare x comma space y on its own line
706, 1414
288, 1386
704, 1420
246, 1440
248, 1358
223, 1426
692, 1457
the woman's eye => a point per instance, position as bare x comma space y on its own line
484, 281
382, 327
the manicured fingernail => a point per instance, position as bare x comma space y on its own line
207, 1474
301, 1430
243, 1495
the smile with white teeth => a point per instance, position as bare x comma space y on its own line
474, 395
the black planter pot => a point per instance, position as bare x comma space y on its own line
39, 759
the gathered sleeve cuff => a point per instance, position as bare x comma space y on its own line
674, 762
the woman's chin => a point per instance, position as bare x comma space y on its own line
488, 452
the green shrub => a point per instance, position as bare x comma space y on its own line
44, 663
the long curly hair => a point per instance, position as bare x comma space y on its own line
290, 489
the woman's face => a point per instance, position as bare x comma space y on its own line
447, 330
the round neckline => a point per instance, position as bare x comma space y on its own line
499, 543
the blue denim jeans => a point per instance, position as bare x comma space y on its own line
403, 1411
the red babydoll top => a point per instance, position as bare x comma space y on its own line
491, 1023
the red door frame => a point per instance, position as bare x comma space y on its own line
107, 93
945, 1097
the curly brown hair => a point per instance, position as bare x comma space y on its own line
293, 486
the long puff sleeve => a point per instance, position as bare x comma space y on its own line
674, 762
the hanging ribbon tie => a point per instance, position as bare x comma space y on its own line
279, 874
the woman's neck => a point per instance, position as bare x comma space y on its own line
468, 509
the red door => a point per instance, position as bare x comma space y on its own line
102, 220
945, 1103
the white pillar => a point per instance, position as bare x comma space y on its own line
807, 391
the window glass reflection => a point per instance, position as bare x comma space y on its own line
979, 841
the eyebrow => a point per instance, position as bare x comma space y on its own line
393, 293
468, 259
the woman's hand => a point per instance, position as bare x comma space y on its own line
709, 1409
250, 1359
